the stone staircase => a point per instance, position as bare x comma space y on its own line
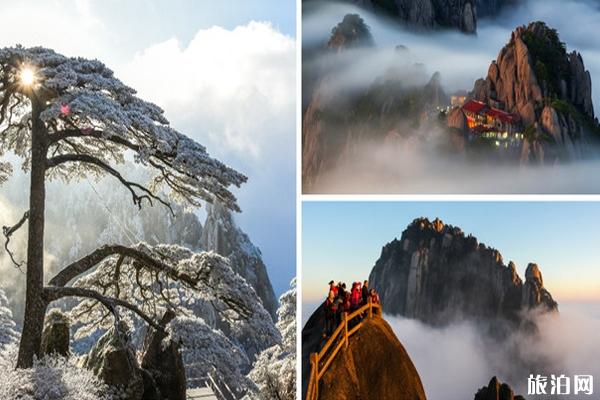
202, 393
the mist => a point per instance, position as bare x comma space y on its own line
460, 58
414, 167
453, 362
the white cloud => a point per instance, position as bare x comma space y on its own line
227, 84
68, 26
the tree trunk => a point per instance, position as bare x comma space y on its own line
35, 305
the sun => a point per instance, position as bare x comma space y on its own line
27, 76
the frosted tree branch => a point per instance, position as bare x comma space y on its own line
131, 186
8, 231
89, 261
53, 293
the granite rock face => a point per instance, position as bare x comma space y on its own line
491, 8
497, 390
547, 87
113, 360
437, 274
221, 235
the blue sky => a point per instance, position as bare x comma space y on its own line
224, 72
342, 240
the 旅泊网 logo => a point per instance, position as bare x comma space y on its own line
560, 385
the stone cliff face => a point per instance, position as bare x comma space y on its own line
459, 14
490, 8
426, 14
374, 366
221, 235
497, 390
436, 274
548, 88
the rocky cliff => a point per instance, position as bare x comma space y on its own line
548, 88
497, 390
426, 14
224, 237
437, 274
375, 365
490, 8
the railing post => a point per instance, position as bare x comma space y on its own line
314, 360
346, 329
370, 308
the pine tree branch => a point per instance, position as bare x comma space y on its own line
53, 293
131, 186
89, 261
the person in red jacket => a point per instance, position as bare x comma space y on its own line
355, 296
333, 288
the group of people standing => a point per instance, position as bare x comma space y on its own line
341, 300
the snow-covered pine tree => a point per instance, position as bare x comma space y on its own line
70, 118
221, 322
8, 334
274, 371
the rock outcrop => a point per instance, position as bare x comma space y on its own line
548, 88
113, 360
351, 32
437, 274
457, 119
56, 334
497, 390
374, 366
221, 235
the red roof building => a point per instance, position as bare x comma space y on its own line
474, 106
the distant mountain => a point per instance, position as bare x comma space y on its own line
437, 274
497, 390
223, 236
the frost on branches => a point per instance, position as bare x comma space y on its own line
274, 371
210, 298
8, 334
51, 378
92, 119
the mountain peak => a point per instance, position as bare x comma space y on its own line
436, 273
351, 32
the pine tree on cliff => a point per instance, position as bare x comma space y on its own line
70, 118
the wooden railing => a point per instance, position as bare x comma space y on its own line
337, 340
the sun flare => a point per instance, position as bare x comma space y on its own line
27, 76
